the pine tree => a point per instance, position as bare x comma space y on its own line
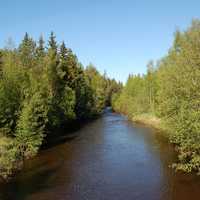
72, 69
27, 52
63, 51
52, 43
52, 65
65, 93
40, 50
63, 65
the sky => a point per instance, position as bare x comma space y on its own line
117, 36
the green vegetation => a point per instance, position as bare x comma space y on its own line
170, 92
42, 89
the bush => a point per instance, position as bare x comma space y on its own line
9, 157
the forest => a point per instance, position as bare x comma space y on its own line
44, 89
168, 97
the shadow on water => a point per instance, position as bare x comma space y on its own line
25, 188
67, 132
110, 158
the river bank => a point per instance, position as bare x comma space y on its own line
11, 160
186, 157
111, 158
148, 119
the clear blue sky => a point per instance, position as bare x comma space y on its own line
119, 36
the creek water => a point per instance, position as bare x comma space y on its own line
111, 158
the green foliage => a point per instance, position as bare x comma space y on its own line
9, 157
9, 106
40, 51
98, 86
43, 89
170, 91
67, 104
137, 96
112, 88
31, 125
27, 50
179, 95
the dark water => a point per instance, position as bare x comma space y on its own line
111, 159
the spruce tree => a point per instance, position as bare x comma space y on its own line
52, 42
63, 65
40, 50
52, 65
27, 50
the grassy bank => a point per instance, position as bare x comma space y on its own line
148, 119
153, 121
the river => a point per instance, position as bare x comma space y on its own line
110, 159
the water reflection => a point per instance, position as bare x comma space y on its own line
110, 159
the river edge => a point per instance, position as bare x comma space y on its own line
156, 123
149, 120
55, 171
10, 165
17, 166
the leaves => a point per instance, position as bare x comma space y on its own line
42, 89
170, 91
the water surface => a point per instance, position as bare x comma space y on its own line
110, 159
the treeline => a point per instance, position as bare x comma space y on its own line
44, 88
170, 91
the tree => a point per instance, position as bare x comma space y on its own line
98, 86
40, 49
171, 92
42, 91
52, 42
31, 125
27, 50
52, 66
151, 85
